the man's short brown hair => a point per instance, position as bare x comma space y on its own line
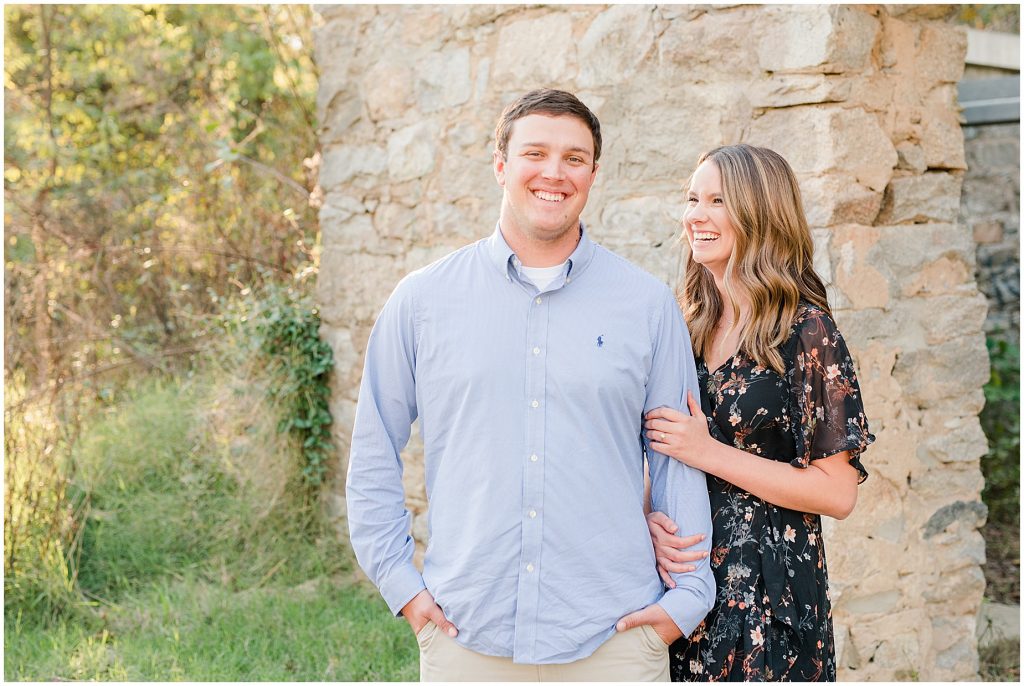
551, 102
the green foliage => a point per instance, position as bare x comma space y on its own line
287, 327
281, 324
1004, 17
152, 153
1000, 420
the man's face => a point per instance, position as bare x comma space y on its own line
547, 175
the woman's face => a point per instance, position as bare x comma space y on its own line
709, 229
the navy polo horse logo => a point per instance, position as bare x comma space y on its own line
600, 341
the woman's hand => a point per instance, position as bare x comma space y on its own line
684, 437
670, 550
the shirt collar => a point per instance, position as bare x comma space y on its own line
501, 253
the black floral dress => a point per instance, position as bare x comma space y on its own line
772, 619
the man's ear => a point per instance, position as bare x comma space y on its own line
499, 167
593, 174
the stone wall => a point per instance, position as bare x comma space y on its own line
860, 100
990, 207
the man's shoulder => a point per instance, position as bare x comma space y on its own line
623, 270
442, 270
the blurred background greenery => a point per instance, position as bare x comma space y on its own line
165, 413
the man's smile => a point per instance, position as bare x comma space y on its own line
550, 197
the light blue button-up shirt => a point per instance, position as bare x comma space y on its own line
530, 406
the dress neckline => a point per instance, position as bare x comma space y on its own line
728, 361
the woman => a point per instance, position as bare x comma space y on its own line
779, 427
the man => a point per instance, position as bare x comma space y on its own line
529, 358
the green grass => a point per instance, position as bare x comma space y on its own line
321, 631
202, 557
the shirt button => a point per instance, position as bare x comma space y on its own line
536, 351
568, 279
534, 458
535, 404
538, 301
529, 567
533, 514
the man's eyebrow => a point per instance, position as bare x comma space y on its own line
529, 144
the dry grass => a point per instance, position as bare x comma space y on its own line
1000, 661
237, 425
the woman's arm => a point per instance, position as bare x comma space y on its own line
827, 486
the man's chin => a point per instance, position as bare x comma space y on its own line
554, 232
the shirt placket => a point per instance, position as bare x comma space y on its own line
528, 605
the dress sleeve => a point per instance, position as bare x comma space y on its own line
828, 409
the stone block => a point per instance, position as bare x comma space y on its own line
615, 43
988, 232
786, 90
941, 51
643, 220
957, 438
996, 153
345, 162
912, 250
387, 87
875, 603
683, 56
443, 80
932, 486
413, 478
338, 114
550, 62
353, 233
821, 139
831, 39
475, 16
890, 640
358, 285
949, 316
412, 151
990, 194
971, 513
348, 359
997, 621
648, 146
898, 44
941, 137
942, 371
931, 197
470, 177
911, 157
857, 279
838, 199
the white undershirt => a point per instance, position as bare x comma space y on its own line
543, 276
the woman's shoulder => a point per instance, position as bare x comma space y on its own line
811, 318
812, 327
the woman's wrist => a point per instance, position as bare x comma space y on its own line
710, 453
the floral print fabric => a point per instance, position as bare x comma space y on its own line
772, 619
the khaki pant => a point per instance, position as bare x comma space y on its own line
635, 655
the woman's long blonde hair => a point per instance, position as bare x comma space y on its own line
772, 262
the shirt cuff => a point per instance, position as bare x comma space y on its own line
400, 586
686, 608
